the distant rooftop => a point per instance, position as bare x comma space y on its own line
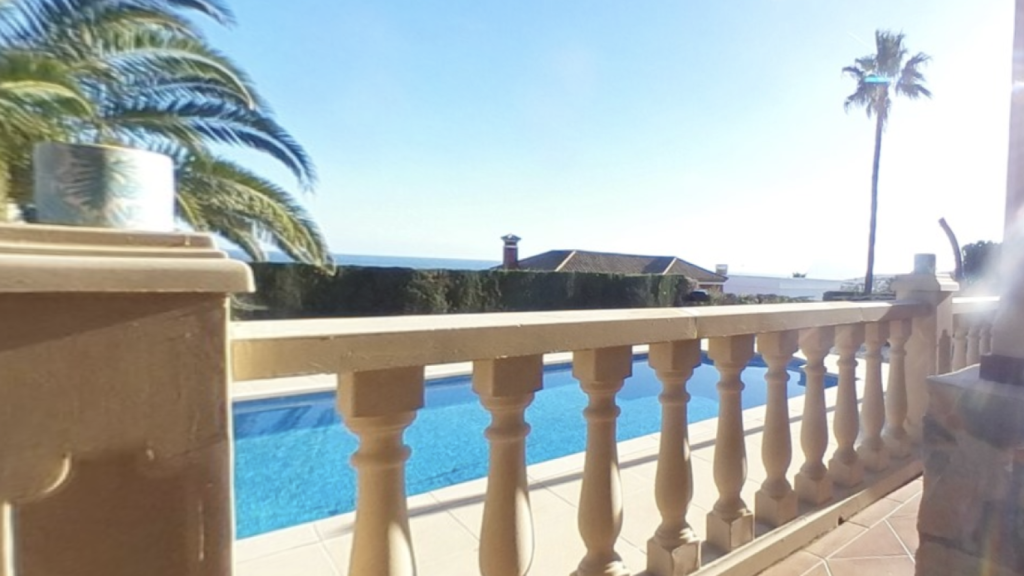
611, 263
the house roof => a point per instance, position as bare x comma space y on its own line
609, 263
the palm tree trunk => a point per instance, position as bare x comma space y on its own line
869, 277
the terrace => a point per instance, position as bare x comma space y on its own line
119, 365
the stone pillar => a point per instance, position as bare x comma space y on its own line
115, 438
928, 334
601, 373
730, 522
506, 387
378, 406
775, 503
971, 518
675, 549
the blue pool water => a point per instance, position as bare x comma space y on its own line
292, 454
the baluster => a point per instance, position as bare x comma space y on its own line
973, 344
675, 548
845, 467
872, 449
896, 394
6, 540
601, 374
775, 503
730, 522
812, 482
378, 406
506, 387
944, 358
986, 337
960, 344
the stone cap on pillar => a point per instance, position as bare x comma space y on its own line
924, 278
60, 259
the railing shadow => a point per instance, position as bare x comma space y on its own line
624, 464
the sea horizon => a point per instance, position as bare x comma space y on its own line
376, 261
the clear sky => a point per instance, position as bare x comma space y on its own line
709, 130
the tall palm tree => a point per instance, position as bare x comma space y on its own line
140, 73
889, 72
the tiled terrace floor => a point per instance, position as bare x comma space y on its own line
445, 523
881, 540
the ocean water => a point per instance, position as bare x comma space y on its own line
386, 261
292, 454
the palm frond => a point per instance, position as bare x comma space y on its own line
268, 211
889, 69
196, 123
31, 20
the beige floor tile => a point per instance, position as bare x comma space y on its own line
797, 564
472, 490
557, 467
906, 530
310, 560
875, 513
437, 535
274, 542
829, 543
640, 517
819, 570
339, 550
645, 468
463, 564
634, 482
335, 527
642, 444
635, 558
891, 566
559, 547
910, 508
879, 540
907, 492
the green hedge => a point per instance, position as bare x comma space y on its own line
303, 291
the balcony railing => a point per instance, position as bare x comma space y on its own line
380, 364
115, 425
972, 331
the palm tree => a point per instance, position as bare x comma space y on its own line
139, 73
880, 76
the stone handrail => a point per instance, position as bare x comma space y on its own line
381, 361
282, 348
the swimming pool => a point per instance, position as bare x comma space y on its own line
292, 454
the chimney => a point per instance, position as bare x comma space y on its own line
722, 269
510, 257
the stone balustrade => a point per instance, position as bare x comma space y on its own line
380, 363
114, 421
972, 330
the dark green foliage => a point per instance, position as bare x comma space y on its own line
305, 291
981, 261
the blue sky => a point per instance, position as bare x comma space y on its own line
713, 131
